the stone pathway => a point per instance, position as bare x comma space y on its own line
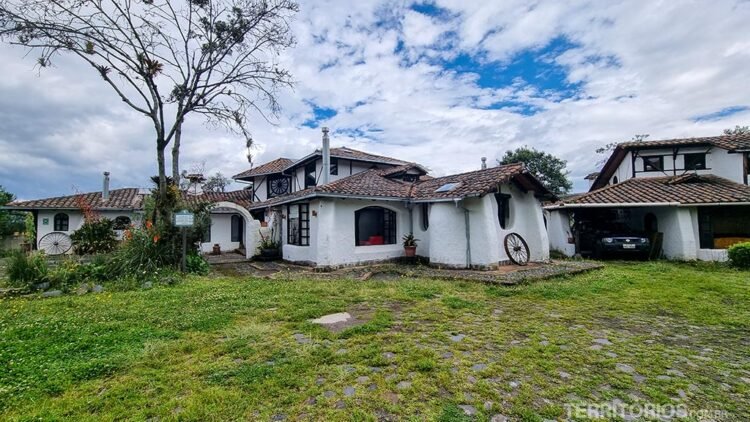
505, 275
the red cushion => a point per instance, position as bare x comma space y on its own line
376, 240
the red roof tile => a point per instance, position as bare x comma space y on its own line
119, 199
373, 184
275, 166
685, 189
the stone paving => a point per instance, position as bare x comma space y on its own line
505, 275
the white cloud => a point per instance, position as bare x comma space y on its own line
642, 67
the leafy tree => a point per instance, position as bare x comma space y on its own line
10, 222
167, 59
216, 183
549, 169
738, 130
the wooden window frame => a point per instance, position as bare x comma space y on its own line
334, 171
648, 167
303, 214
61, 222
389, 224
307, 172
694, 154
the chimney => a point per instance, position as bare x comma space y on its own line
105, 188
484, 163
326, 170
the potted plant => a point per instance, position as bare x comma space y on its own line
269, 247
410, 245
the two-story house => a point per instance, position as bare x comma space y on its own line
340, 206
693, 191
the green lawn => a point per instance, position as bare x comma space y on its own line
225, 348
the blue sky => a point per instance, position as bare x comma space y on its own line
440, 82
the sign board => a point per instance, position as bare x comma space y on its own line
184, 219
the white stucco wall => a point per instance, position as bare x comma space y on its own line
678, 226
558, 230
724, 164
448, 230
221, 234
718, 161
75, 220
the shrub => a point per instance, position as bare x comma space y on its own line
25, 270
95, 236
196, 264
143, 252
739, 255
71, 273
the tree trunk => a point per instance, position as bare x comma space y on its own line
162, 213
176, 154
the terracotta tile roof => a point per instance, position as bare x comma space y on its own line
685, 189
729, 142
242, 197
353, 154
119, 199
275, 166
402, 169
127, 199
373, 184
346, 153
473, 183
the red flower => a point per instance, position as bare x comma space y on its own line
149, 224
156, 238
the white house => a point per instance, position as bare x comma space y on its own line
340, 206
358, 211
694, 191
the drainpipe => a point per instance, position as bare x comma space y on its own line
410, 207
326, 170
468, 232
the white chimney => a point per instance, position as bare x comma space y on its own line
326, 170
105, 188
484, 163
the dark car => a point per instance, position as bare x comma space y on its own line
622, 244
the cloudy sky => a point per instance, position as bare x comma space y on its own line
442, 83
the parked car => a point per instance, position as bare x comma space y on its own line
631, 244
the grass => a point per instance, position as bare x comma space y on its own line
217, 348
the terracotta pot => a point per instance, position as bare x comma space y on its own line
217, 249
410, 251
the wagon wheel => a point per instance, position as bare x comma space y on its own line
517, 249
55, 243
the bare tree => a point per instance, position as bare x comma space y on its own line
167, 59
216, 183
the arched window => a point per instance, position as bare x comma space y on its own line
614, 180
375, 226
425, 217
121, 223
62, 222
503, 209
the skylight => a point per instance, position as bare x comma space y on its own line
447, 187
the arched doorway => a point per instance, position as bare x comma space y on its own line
250, 227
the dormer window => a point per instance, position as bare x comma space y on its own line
695, 161
653, 163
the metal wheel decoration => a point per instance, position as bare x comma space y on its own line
517, 249
55, 243
279, 186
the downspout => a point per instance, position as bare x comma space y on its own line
468, 231
410, 207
